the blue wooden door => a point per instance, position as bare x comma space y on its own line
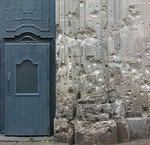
27, 67
27, 102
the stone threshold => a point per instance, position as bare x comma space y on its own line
25, 139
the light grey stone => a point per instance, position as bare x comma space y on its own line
103, 54
119, 109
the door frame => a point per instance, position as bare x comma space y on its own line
52, 70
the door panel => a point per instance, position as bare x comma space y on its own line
20, 16
27, 99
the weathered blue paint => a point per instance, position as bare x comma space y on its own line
27, 25
26, 113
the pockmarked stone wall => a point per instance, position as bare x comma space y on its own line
103, 71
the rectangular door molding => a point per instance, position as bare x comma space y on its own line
37, 16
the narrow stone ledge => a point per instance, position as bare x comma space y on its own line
25, 139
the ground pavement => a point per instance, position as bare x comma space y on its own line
30, 143
49, 142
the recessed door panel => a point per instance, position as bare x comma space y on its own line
27, 102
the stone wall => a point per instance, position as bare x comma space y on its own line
103, 69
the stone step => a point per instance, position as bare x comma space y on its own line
25, 139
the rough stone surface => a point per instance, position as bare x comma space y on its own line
103, 54
119, 109
64, 131
104, 132
123, 132
100, 112
103, 59
137, 127
147, 127
93, 112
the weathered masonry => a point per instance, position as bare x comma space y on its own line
27, 67
103, 71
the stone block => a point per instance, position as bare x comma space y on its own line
119, 109
147, 127
93, 98
104, 132
93, 112
137, 128
64, 131
123, 132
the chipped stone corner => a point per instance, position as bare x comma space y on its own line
103, 71
64, 131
